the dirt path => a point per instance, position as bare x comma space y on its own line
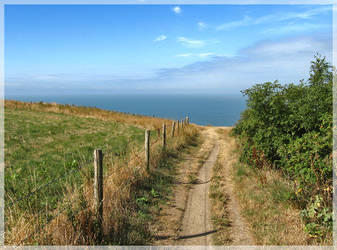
196, 225
186, 219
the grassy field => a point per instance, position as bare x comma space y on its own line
49, 154
43, 146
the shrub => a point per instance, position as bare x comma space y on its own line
289, 127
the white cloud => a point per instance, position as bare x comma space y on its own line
288, 48
292, 28
52, 77
200, 55
276, 17
230, 25
177, 9
190, 43
201, 25
160, 38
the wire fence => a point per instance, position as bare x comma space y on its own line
40, 188
137, 155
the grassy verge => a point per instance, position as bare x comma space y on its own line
268, 204
219, 197
264, 197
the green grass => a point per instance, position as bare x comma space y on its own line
42, 146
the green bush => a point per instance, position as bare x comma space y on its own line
289, 127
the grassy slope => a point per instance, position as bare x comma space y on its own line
43, 141
42, 146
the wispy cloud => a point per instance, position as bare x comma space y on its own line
234, 24
51, 77
291, 28
177, 10
276, 17
160, 38
306, 14
191, 43
200, 55
289, 48
201, 25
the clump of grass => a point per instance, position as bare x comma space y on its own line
219, 199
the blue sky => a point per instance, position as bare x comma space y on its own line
70, 49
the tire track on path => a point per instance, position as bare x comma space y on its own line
196, 225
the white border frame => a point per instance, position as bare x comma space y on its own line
159, 2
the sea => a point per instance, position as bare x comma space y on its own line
215, 110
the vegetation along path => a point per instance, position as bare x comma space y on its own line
186, 219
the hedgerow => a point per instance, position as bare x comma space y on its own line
289, 128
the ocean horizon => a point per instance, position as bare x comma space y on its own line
215, 110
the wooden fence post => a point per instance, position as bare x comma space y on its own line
182, 125
173, 128
98, 190
187, 120
177, 127
147, 149
164, 136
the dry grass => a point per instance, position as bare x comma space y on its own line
220, 214
265, 199
272, 219
137, 120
